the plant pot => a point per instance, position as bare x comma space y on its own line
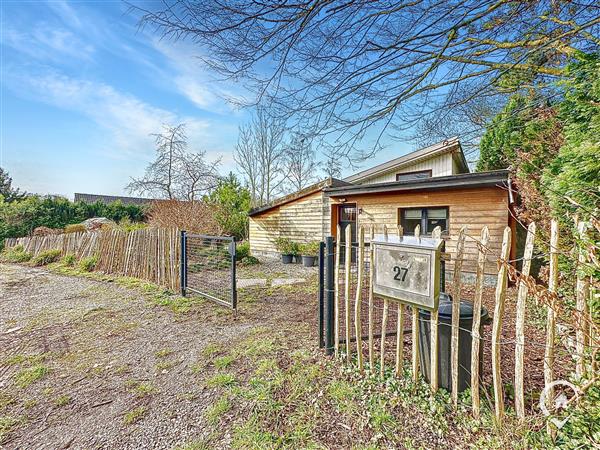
287, 259
297, 259
309, 261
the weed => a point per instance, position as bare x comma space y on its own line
7, 423
164, 365
223, 361
140, 389
89, 263
217, 409
20, 359
30, 375
5, 400
195, 445
62, 400
135, 415
30, 403
16, 254
221, 380
163, 353
46, 257
69, 260
75, 228
211, 350
342, 393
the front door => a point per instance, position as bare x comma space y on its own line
347, 218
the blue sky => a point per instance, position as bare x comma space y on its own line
83, 88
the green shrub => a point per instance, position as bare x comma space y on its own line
46, 257
286, 247
242, 250
69, 259
75, 228
249, 261
88, 264
310, 248
127, 225
16, 254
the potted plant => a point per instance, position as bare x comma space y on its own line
309, 253
285, 247
296, 252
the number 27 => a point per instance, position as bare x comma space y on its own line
400, 273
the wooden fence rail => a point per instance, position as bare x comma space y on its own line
527, 289
151, 253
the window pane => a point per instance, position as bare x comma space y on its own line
432, 223
413, 176
410, 224
412, 214
437, 213
348, 213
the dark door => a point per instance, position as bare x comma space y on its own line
347, 217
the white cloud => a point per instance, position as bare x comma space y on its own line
47, 43
129, 120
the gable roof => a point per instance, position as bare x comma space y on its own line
464, 180
329, 182
449, 145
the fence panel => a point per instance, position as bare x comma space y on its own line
209, 266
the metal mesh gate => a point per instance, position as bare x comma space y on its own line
208, 267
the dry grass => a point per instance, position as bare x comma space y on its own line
197, 217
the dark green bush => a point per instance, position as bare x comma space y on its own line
69, 260
242, 250
16, 254
249, 261
46, 257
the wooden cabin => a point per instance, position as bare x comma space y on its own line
430, 187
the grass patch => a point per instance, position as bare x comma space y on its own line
16, 254
217, 409
165, 365
140, 389
224, 361
342, 394
195, 445
88, 264
221, 380
62, 400
163, 353
211, 350
29, 359
7, 424
25, 377
46, 257
69, 260
135, 415
5, 400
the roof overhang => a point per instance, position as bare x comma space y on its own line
498, 178
317, 187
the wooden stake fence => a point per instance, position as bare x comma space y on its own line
457, 284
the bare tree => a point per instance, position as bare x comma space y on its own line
195, 176
175, 173
351, 69
260, 154
300, 161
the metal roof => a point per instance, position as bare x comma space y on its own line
477, 179
93, 198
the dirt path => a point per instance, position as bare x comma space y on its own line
106, 353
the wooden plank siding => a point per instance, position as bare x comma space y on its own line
303, 220
474, 208
440, 165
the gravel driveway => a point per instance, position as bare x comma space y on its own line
103, 356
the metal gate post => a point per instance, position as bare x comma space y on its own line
321, 294
232, 251
183, 264
329, 293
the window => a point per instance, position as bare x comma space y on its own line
427, 218
409, 176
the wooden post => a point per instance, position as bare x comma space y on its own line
400, 327
348, 257
386, 305
581, 328
456, 291
415, 329
476, 338
497, 326
434, 325
338, 238
357, 302
371, 324
385, 232
550, 319
520, 324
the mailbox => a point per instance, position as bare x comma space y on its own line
407, 269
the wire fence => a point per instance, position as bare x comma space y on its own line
209, 268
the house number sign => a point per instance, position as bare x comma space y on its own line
407, 269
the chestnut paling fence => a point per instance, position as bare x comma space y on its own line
151, 253
363, 336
